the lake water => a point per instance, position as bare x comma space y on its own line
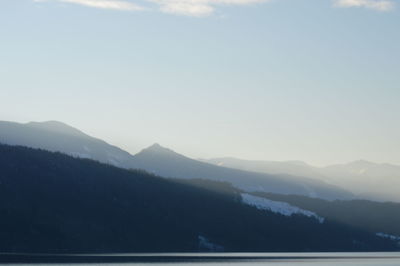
213, 259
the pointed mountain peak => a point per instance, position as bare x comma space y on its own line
157, 149
156, 146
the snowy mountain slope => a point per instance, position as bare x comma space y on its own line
277, 207
391, 237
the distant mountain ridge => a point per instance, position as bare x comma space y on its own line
378, 181
296, 168
365, 179
165, 162
56, 136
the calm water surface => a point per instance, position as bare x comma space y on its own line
245, 259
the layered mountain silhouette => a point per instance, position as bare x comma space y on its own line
56, 136
54, 203
295, 168
365, 179
165, 162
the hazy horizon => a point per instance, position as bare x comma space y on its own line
316, 81
209, 158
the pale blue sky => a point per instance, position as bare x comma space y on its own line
313, 80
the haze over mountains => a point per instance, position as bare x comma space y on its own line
167, 163
364, 179
56, 136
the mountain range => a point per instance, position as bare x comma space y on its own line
57, 136
366, 180
63, 191
359, 179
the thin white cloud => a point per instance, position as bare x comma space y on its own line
380, 5
103, 4
183, 7
203, 8
198, 8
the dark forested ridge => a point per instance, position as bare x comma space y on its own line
375, 217
50, 202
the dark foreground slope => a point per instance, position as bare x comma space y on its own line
51, 202
375, 217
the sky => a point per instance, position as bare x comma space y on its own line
310, 80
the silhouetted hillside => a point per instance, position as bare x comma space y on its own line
50, 202
376, 217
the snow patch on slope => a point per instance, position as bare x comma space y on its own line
391, 237
277, 207
205, 244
